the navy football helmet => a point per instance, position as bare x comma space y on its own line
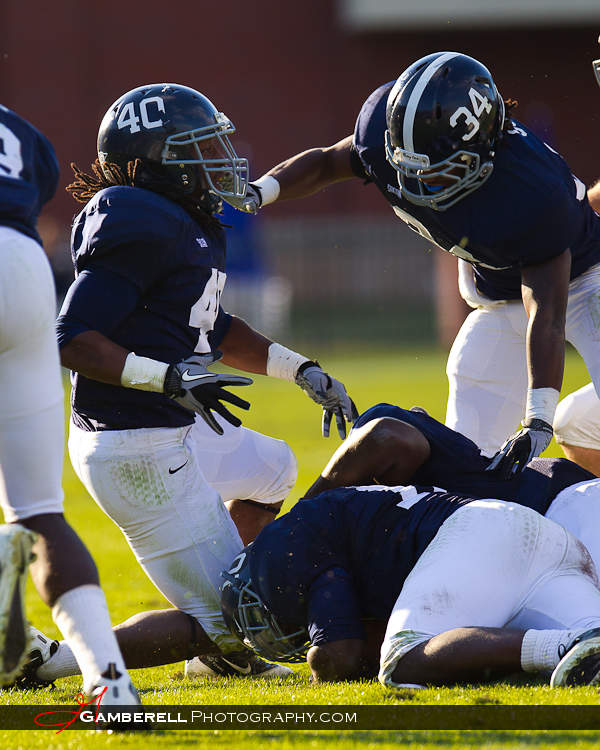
181, 140
444, 119
249, 618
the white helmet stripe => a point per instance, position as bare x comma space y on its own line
415, 96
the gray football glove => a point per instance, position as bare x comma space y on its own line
250, 203
328, 393
192, 385
531, 440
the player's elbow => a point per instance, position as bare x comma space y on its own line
399, 447
336, 661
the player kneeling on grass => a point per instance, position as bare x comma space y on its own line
470, 589
151, 438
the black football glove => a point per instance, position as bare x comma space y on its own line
531, 440
250, 203
192, 385
328, 393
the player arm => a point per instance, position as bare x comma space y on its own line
545, 290
338, 650
312, 170
303, 174
383, 451
247, 349
87, 317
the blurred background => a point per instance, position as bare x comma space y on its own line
336, 268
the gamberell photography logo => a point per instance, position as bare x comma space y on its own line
92, 714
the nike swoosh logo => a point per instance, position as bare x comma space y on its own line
174, 471
242, 670
188, 378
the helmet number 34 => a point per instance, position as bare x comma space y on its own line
128, 118
480, 104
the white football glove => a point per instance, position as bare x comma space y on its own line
328, 393
250, 203
531, 440
192, 385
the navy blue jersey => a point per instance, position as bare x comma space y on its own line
456, 464
149, 278
28, 173
530, 210
342, 556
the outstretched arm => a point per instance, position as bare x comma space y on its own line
383, 451
247, 349
310, 171
300, 175
545, 290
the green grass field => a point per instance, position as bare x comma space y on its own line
280, 409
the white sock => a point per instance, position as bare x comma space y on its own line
541, 650
82, 616
62, 664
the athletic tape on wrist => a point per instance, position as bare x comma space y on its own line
284, 363
143, 373
541, 404
269, 189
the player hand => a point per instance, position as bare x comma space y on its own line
250, 203
330, 394
192, 385
518, 450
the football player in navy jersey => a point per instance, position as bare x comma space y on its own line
446, 153
469, 588
391, 446
140, 326
32, 438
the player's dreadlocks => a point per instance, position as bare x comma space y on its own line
509, 107
85, 186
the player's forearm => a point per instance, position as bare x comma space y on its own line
244, 348
312, 170
94, 356
545, 352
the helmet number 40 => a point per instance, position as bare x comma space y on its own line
480, 104
128, 118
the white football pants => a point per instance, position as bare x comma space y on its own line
31, 401
153, 484
487, 371
493, 564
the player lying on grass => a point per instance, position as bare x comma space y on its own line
470, 589
393, 446
388, 445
